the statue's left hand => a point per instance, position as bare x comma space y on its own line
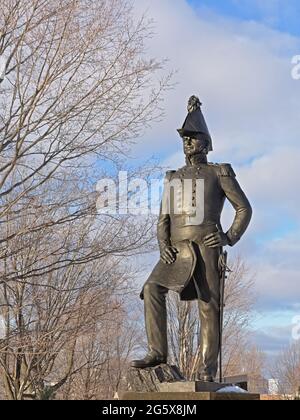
216, 240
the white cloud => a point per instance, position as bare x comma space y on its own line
242, 72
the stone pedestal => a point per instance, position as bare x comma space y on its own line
166, 382
197, 386
186, 396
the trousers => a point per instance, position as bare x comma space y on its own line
209, 313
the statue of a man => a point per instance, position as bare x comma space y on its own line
191, 247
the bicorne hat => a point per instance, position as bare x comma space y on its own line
194, 125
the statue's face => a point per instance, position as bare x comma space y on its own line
193, 146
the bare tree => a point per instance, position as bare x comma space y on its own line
61, 282
75, 88
76, 93
239, 302
113, 342
51, 317
286, 370
249, 360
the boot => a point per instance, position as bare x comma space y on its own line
151, 360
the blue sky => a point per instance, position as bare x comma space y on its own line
237, 56
282, 15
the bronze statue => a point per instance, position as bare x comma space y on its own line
191, 253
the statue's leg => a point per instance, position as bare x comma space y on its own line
210, 315
156, 319
209, 344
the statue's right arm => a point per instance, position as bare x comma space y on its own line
163, 230
167, 251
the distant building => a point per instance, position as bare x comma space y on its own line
273, 385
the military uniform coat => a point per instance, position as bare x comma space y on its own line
196, 272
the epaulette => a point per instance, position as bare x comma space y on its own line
225, 169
